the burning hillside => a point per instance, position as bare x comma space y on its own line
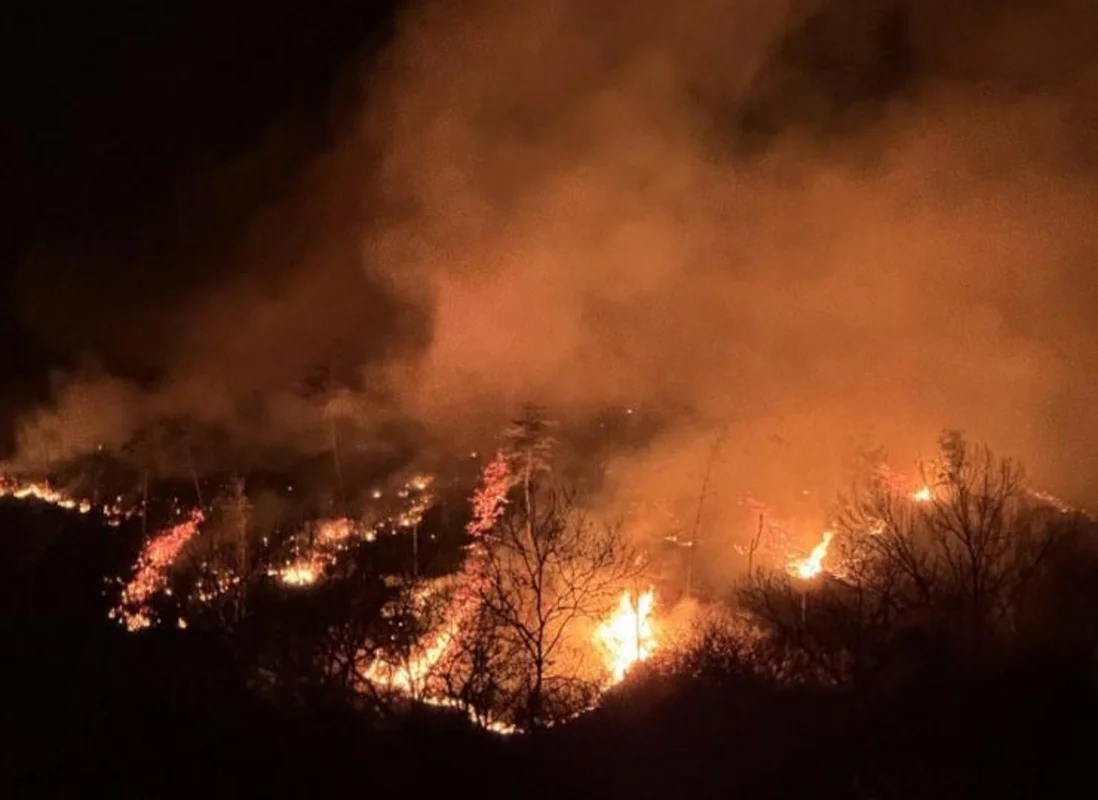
527, 613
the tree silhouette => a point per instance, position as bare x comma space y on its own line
909, 580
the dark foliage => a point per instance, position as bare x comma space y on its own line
258, 710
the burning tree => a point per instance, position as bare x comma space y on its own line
539, 569
949, 566
960, 549
547, 568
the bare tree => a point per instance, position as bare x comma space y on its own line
221, 562
240, 517
918, 575
548, 567
539, 569
962, 554
693, 554
478, 673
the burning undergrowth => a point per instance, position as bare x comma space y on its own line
522, 606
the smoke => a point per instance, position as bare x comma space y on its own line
807, 225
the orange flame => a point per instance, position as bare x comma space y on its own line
812, 565
331, 536
923, 494
20, 489
151, 577
627, 637
409, 677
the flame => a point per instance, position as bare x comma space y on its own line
19, 489
334, 531
923, 494
331, 536
812, 565
410, 675
151, 576
300, 573
627, 637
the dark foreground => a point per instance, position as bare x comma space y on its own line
91, 711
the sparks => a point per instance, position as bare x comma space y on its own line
296, 574
151, 575
330, 537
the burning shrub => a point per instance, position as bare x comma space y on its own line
917, 575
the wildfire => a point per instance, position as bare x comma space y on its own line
334, 532
330, 537
42, 490
408, 677
299, 573
628, 637
812, 565
151, 575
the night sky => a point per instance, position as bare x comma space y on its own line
119, 119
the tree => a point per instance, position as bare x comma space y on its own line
943, 573
548, 568
540, 568
477, 669
960, 554
530, 442
321, 641
223, 563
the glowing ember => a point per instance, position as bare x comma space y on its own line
490, 498
812, 565
414, 515
151, 575
41, 490
628, 637
330, 537
334, 532
1055, 502
923, 495
299, 574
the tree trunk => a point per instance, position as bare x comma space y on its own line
335, 459
194, 474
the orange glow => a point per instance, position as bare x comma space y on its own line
42, 490
151, 575
409, 677
301, 573
627, 637
923, 495
331, 536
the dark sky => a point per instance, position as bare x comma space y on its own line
118, 114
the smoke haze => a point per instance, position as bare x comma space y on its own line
806, 226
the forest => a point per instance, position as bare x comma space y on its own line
556, 398
940, 640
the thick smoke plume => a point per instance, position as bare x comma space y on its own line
805, 225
